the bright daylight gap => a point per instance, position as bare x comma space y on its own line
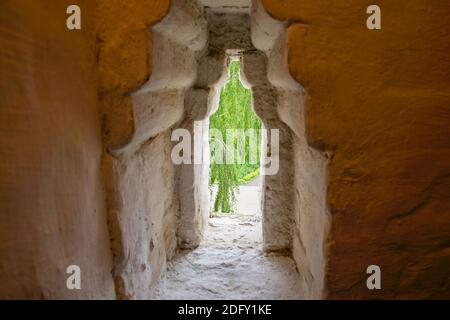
236, 187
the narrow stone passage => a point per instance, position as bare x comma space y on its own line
230, 264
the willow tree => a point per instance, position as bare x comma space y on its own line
234, 112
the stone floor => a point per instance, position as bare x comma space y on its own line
230, 264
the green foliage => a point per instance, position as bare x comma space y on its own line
249, 177
234, 112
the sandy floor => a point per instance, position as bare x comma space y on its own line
229, 264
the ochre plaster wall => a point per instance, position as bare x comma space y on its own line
52, 205
140, 180
379, 102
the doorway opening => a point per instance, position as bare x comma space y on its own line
229, 262
165, 231
235, 153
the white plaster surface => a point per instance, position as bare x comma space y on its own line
230, 264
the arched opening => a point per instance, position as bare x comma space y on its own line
275, 96
228, 262
191, 47
235, 140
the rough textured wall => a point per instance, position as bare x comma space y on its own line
277, 204
310, 212
147, 70
379, 101
137, 168
182, 64
303, 169
52, 211
125, 55
145, 216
